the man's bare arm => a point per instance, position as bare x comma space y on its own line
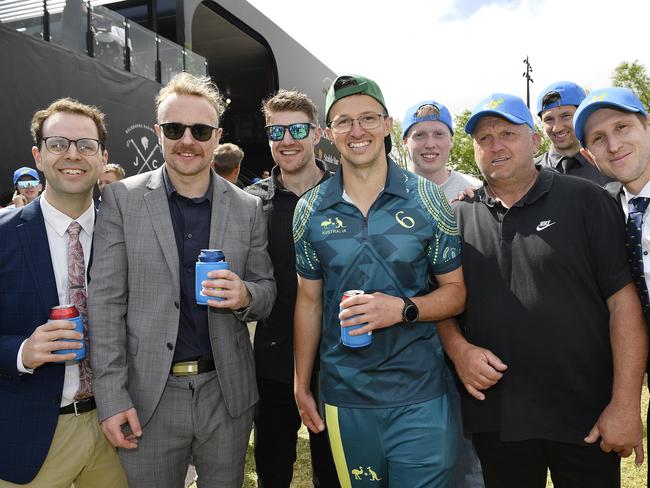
307, 330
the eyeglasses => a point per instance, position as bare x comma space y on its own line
366, 121
60, 145
27, 184
175, 130
298, 131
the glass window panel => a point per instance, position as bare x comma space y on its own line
68, 24
195, 64
143, 51
171, 60
108, 36
23, 15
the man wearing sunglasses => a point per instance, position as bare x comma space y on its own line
291, 127
27, 186
175, 379
51, 434
386, 231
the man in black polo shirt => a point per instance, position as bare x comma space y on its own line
292, 130
554, 346
556, 105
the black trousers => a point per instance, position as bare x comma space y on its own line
525, 463
276, 432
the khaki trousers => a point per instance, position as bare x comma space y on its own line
79, 454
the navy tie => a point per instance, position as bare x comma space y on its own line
636, 208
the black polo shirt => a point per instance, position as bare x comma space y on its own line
191, 223
575, 165
538, 276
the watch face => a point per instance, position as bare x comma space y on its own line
411, 313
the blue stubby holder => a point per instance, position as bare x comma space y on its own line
348, 340
78, 327
209, 260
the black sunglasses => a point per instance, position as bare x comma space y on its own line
298, 131
175, 130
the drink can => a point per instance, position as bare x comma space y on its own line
208, 260
70, 312
356, 341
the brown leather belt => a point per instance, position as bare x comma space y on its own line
79, 407
186, 368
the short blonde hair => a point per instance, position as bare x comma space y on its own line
198, 86
115, 168
68, 105
290, 101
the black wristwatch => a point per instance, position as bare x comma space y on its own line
410, 312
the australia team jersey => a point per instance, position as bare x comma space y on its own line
409, 233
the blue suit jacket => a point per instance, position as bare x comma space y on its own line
29, 403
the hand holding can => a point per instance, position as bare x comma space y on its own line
353, 341
70, 312
209, 260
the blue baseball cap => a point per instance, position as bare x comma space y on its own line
566, 93
509, 107
614, 97
441, 113
25, 171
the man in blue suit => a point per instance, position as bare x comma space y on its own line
50, 433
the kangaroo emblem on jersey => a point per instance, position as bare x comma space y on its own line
333, 226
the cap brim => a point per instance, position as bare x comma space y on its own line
473, 120
581, 119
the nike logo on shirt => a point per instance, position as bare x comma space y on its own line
544, 224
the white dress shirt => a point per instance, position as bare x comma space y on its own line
645, 227
56, 225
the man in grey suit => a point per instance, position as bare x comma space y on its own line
174, 379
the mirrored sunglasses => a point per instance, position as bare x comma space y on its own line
298, 131
175, 130
27, 184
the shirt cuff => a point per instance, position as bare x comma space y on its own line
19, 361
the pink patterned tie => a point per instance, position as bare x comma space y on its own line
77, 292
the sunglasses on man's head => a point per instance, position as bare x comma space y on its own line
298, 131
27, 184
175, 130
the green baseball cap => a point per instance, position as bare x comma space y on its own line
355, 85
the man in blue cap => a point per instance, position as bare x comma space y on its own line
613, 128
554, 347
429, 136
556, 105
27, 185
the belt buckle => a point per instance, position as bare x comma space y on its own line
186, 368
74, 404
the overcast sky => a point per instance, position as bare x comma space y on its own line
459, 51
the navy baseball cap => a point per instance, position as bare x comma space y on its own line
503, 105
355, 85
25, 171
560, 93
441, 113
614, 97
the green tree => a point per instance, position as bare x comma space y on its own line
461, 156
635, 77
399, 152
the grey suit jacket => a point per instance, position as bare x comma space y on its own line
134, 294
